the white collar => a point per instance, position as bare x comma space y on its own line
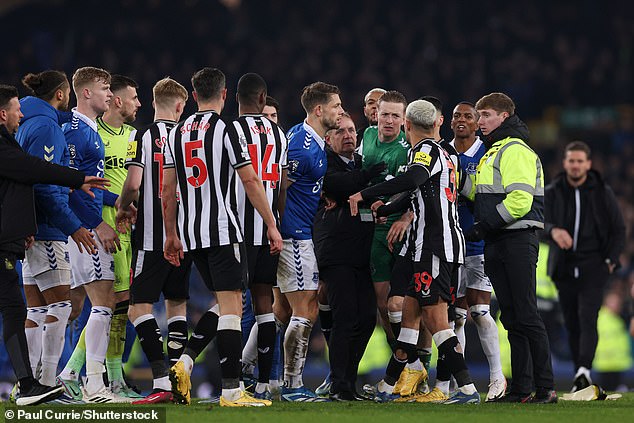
471, 152
314, 134
345, 159
85, 118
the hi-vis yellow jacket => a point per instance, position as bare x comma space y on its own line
508, 187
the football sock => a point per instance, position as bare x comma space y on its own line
116, 342
176, 337
204, 332
461, 319
53, 334
250, 351
151, 342
77, 360
448, 348
34, 335
229, 346
266, 345
488, 334
295, 350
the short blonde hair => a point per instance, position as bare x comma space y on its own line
167, 90
88, 75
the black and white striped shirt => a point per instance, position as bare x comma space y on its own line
267, 147
147, 152
435, 205
205, 151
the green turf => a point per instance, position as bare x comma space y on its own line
365, 412
618, 411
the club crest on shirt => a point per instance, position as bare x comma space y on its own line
293, 165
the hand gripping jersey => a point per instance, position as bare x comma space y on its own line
306, 170
394, 154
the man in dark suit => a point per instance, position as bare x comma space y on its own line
342, 247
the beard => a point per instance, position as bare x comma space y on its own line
130, 118
330, 123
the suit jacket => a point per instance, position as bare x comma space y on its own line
339, 237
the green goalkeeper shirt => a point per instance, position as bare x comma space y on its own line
117, 148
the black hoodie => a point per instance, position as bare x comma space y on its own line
600, 231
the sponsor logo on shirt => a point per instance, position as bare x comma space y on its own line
422, 158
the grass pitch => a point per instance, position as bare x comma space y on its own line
621, 410
618, 411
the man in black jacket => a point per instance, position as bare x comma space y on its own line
18, 172
342, 247
583, 220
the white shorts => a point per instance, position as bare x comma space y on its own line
88, 267
297, 268
471, 275
47, 265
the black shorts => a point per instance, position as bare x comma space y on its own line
153, 275
223, 268
431, 280
401, 276
262, 265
